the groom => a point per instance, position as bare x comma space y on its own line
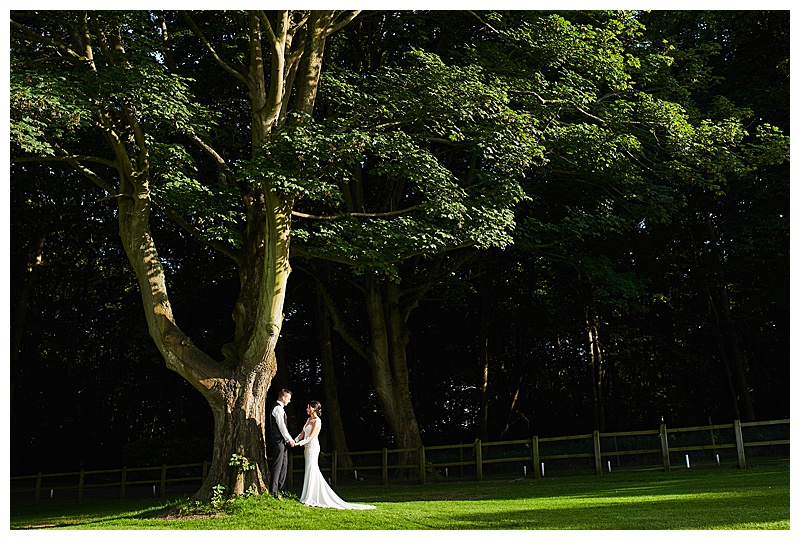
278, 439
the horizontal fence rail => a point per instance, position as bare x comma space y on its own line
597, 452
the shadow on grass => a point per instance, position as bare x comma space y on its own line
89, 512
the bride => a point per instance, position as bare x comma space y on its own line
316, 491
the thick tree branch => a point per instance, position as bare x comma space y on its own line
75, 161
65, 157
342, 20
102, 42
222, 166
338, 321
31, 35
277, 40
141, 140
295, 213
91, 175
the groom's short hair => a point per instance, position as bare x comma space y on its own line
284, 392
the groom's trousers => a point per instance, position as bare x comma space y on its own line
280, 465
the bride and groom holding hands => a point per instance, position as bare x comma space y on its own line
316, 491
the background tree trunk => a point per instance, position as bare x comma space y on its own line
19, 322
597, 373
387, 359
333, 414
483, 359
730, 338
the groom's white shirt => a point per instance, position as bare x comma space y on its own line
278, 414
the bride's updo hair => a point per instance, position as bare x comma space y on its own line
316, 406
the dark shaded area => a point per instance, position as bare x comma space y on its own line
89, 389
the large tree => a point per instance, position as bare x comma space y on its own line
92, 90
426, 164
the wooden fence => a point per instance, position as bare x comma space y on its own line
654, 449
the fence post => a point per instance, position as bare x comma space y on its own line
713, 441
333, 468
38, 489
737, 430
385, 466
478, 460
598, 462
664, 446
163, 479
80, 485
537, 474
421, 464
122, 483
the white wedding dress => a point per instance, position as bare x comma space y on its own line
316, 491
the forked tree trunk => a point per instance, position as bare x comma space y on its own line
236, 388
385, 352
388, 362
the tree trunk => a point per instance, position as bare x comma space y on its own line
18, 322
385, 352
333, 414
723, 354
239, 428
282, 378
729, 334
18, 325
385, 348
387, 359
596, 367
483, 360
236, 389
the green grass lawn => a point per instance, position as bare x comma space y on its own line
756, 498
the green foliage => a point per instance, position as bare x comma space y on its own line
576, 56
215, 207
218, 499
612, 288
399, 144
306, 161
241, 463
44, 106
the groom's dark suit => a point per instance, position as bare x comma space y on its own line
277, 449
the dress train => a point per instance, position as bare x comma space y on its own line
316, 491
